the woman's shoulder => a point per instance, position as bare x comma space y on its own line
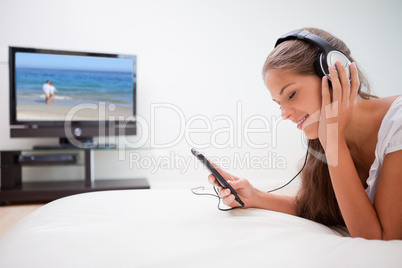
391, 99
386, 101
391, 126
381, 106
384, 115
393, 105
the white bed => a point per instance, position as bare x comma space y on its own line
175, 228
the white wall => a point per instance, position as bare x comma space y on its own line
204, 58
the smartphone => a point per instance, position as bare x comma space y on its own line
222, 182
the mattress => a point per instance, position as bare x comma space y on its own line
175, 228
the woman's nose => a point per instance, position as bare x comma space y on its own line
286, 112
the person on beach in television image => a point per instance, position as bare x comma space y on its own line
46, 90
352, 174
52, 90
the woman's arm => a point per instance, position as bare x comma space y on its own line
359, 214
279, 203
384, 219
388, 197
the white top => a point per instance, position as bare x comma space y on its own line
46, 88
389, 140
52, 89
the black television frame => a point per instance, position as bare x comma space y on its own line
85, 128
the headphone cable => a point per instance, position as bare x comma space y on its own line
298, 173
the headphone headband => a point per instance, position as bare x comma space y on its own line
329, 55
306, 36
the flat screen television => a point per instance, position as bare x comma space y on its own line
74, 96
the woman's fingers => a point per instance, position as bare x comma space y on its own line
355, 82
345, 81
336, 85
228, 201
224, 193
212, 180
326, 97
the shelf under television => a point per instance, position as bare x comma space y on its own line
48, 191
14, 189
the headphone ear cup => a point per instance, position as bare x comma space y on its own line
334, 56
324, 61
321, 66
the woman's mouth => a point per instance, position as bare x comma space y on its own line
301, 122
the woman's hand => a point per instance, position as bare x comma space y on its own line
336, 114
242, 186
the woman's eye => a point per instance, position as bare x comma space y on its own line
292, 95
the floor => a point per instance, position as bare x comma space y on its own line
11, 214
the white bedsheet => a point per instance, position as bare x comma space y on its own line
175, 228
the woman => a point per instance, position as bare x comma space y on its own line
358, 181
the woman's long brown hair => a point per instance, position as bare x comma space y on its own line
316, 199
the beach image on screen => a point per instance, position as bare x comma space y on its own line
72, 81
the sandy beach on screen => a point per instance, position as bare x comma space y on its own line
63, 111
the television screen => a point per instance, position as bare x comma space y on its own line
56, 93
48, 86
